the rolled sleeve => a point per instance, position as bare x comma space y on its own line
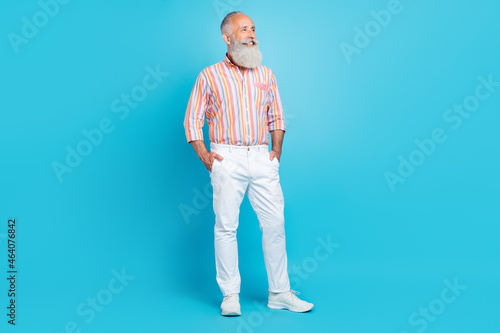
275, 114
195, 112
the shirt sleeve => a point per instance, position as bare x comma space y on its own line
195, 112
275, 115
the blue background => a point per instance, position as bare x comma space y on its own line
349, 119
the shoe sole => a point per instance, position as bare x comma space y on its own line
278, 306
231, 314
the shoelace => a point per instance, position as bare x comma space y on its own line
294, 293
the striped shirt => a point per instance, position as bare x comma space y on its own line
240, 109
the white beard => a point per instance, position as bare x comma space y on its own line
243, 55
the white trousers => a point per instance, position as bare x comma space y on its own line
248, 170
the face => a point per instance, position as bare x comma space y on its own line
243, 28
242, 42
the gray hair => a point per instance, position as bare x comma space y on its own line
226, 22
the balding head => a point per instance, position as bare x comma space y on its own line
226, 26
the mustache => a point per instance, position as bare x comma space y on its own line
248, 40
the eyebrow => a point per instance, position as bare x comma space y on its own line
246, 26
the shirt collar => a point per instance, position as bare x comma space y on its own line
228, 62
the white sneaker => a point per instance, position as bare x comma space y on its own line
230, 305
288, 300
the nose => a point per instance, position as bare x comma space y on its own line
252, 35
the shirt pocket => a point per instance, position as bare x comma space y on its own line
260, 94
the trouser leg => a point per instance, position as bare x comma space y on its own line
229, 186
266, 197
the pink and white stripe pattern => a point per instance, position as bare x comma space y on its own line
239, 109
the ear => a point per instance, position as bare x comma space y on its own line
226, 38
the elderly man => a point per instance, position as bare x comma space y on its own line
240, 100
